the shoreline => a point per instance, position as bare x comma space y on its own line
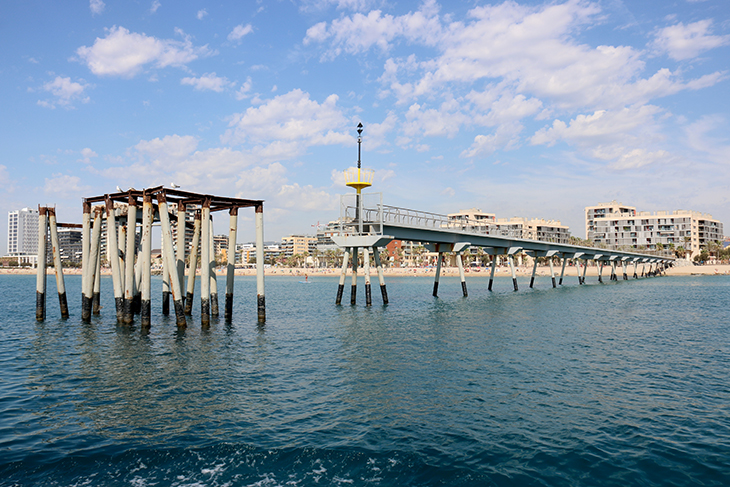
524, 271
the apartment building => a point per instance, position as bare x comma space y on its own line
516, 227
616, 225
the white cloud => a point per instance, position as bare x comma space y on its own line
86, 155
445, 120
124, 53
505, 137
700, 138
202, 14
682, 42
208, 81
65, 91
155, 5
243, 92
239, 32
306, 197
96, 6
64, 186
289, 123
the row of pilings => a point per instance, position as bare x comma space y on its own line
47, 224
123, 222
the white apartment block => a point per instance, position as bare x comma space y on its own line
616, 225
517, 227
23, 233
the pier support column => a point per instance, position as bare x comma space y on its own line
193, 265
635, 266
534, 271
165, 287
562, 272
205, 264
366, 271
343, 276
40, 287
96, 298
85, 245
180, 244
438, 274
460, 265
381, 279
353, 287
90, 269
600, 272
613, 270
552, 271
494, 267
585, 270
60, 283
511, 261
213, 276
112, 245
260, 267
231, 267
129, 255
623, 266
145, 258
174, 279
122, 245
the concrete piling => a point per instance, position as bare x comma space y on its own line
343, 276
231, 267
585, 270
85, 244
438, 274
145, 261
40, 288
562, 271
180, 244
381, 279
112, 245
96, 296
260, 295
213, 276
129, 256
205, 264
534, 271
353, 287
174, 279
552, 272
193, 265
511, 260
165, 288
90, 270
460, 265
366, 271
60, 284
491, 273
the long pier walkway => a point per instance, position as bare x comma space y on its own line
366, 223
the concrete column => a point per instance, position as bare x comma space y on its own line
146, 260
562, 271
165, 286
122, 245
381, 279
205, 264
460, 265
96, 297
623, 266
511, 260
90, 269
193, 265
353, 287
174, 279
343, 276
366, 271
552, 271
85, 244
436, 278
585, 270
231, 267
635, 266
137, 299
534, 270
600, 272
180, 251
113, 251
129, 256
60, 283
613, 270
260, 297
491, 274
213, 276
40, 286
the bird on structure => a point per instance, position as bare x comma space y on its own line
173, 185
119, 190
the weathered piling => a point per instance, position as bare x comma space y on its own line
129, 256
60, 283
562, 271
343, 276
491, 272
231, 264
381, 278
165, 288
534, 270
193, 266
511, 260
366, 271
623, 266
205, 264
85, 244
121, 247
213, 276
112, 246
180, 244
460, 265
552, 271
169, 255
40, 287
90, 270
96, 296
439, 258
353, 287
585, 270
145, 261
260, 296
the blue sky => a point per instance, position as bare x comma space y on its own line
526, 108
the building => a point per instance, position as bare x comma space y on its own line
298, 245
517, 227
615, 226
23, 235
69, 244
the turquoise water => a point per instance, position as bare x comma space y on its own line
624, 383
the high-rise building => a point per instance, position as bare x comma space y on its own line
517, 227
615, 225
23, 234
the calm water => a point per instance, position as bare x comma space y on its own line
618, 384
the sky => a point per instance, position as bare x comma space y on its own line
519, 108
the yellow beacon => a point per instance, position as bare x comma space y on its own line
359, 178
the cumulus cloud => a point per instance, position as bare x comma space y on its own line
86, 155
65, 91
96, 6
239, 32
286, 124
64, 186
202, 14
505, 137
125, 54
208, 81
243, 92
682, 42
155, 5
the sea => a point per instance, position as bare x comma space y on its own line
616, 384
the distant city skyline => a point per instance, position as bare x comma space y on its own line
531, 109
